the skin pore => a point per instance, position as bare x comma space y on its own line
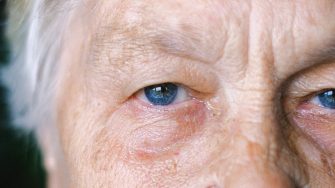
251, 71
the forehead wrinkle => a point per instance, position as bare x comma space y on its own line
174, 35
187, 42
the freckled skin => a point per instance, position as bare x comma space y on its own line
232, 132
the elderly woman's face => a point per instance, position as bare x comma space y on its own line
199, 94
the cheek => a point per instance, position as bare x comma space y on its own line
137, 141
316, 129
151, 143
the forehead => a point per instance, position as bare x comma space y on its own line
295, 33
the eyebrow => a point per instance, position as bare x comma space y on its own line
323, 56
186, 41
190, 44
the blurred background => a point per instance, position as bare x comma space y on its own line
20, 158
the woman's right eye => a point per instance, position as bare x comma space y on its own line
163, 94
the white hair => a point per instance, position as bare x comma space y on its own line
35, 29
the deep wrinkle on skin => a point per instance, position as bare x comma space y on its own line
307, 112
235, 57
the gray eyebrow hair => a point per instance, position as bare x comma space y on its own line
325, 55
188, 44
185, 40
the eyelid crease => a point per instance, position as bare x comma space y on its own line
311, 82
188, 74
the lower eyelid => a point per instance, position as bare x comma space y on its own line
317, 124
161, 130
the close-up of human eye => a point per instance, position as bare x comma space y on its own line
325, 99
163, 94
313, 113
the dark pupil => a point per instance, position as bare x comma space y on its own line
327, 99
161, 94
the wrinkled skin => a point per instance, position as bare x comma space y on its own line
251, 69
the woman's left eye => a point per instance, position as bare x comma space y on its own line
163, 94
325, 99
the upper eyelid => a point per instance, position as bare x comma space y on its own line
308, 97
311, 81
318, 92
185, 73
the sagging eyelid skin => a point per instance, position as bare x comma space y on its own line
310, 106
172, 93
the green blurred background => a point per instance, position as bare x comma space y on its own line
20, 159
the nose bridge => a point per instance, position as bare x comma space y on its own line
257, 141
256, 115
254, 161
257, 112
258, 132
257, 90
256, 144
251, 164
256, 104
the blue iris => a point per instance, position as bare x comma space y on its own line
161, 94
327, 99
